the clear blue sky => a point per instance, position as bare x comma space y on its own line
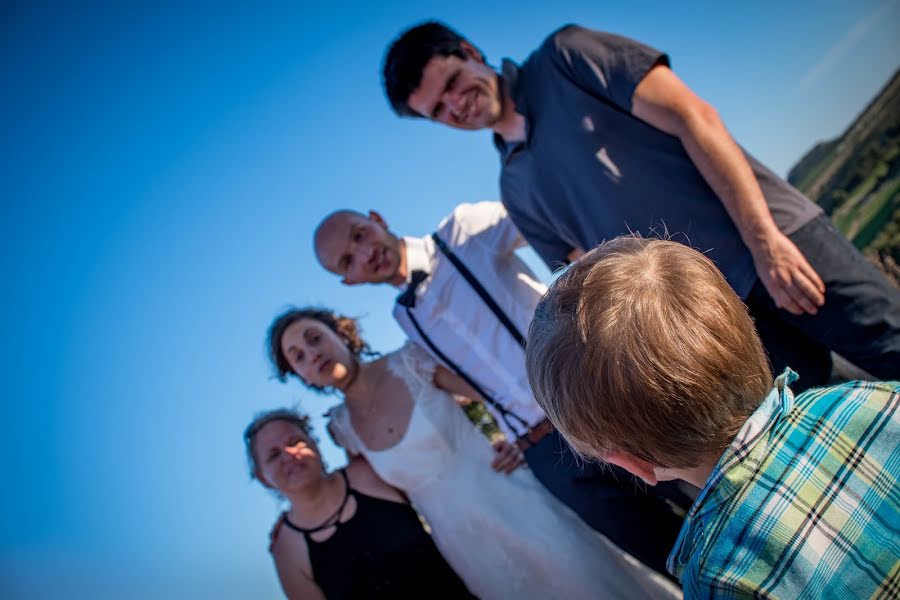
162, 170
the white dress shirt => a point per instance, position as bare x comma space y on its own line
458, 321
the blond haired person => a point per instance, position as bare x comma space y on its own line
644, 357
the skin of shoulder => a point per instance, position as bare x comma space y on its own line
363, 478
291, 556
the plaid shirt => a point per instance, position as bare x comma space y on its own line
804, 503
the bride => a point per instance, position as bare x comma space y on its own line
504, 534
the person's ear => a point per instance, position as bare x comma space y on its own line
634, 465
471, 51
377, 218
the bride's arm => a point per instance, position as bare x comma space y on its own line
507, 457
449, 381
337, 428
340, 440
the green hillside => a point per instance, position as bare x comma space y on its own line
856, 179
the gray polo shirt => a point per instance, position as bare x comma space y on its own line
589, 170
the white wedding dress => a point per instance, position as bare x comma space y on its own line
504, 535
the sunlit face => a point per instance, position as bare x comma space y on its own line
359, 249
286, 457
464, 94
317, 354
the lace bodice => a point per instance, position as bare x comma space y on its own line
438, 429
505, 535
414, 366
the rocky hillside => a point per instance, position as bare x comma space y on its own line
856, 179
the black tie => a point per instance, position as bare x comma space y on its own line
408, 298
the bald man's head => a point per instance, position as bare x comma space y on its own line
360, 248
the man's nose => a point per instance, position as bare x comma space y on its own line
365, 254
454, 101
362, 252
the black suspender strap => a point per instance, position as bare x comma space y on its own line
506, 415
479, 289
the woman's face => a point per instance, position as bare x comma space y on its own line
287, 459
317, 354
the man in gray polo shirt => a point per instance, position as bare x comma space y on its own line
598, 137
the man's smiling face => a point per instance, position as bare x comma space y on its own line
461, 93
359, 248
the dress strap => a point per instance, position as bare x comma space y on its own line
333, 520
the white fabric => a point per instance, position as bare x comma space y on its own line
459, 322
534, 547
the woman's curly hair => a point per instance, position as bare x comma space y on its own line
346, 327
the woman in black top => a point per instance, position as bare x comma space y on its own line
347, 534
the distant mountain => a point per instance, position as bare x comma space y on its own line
856, 178
813, 162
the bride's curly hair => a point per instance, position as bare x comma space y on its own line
347, 328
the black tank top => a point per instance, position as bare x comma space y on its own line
382, 551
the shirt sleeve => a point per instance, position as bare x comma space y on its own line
488, 225
607, 65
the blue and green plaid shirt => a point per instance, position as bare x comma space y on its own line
804, 503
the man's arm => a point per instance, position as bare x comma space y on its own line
575, 254
664, 101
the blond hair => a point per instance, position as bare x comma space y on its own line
642, 347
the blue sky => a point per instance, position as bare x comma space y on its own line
162, 170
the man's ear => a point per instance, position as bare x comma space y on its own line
377, 218
634, 465
471, 51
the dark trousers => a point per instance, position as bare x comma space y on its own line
609, 499
860, 319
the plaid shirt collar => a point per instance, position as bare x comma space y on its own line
735, 468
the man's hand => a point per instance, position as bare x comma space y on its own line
789, 278
508, 457
664, 101
575, 254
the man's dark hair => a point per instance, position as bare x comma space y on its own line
406, 59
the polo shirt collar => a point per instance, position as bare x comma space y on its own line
735, 466
510, 80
